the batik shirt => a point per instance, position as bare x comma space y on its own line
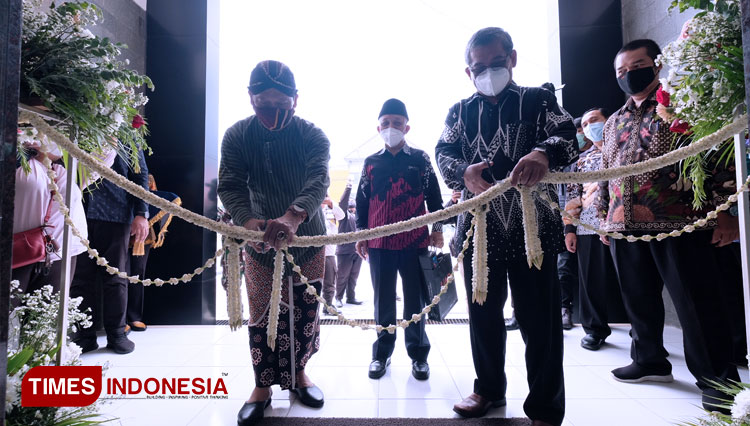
394, 188
524, 119
263, 173
590, 161
659, 200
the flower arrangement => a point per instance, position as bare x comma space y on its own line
32, 342
77, 76
705, 87
738, 409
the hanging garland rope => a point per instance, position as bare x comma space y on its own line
478, 226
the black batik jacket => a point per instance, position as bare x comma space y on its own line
524, 119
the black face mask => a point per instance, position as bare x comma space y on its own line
636, 81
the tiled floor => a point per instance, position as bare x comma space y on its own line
340, 369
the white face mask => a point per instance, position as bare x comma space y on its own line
492, 81
391, 136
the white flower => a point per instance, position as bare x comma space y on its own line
741, 406
117, 118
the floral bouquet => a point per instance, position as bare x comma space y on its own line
77, 76
705, 87
32, 342
739, 408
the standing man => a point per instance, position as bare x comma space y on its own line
506, 130
660, 201
273, 177
567, 263
396, 182
332, 214
595, 268
113, 216
349, 262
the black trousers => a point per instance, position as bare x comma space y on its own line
135, 290
346, 278
567, 272
35, 276
730, 263
596, 271
111, 241
329, 279
536, 297
687, 266
384, 265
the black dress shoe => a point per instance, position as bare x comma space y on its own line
420, 370
716, 400
354, 302
251, 412
311, 396
87, 344
377, 368
120, 343
592, 342
567, 319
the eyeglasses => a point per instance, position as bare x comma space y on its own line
480, 68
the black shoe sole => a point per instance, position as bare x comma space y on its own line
119, 350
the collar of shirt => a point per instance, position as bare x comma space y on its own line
405, 149
630, 104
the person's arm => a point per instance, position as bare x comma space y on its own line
557, 134
344, 201
448, 153
432, 193
338, 213
234, 171
363, 199
140, 207
317, 156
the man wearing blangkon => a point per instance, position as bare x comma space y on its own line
506, 130
273, 178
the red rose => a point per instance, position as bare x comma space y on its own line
138, 121
679, 126
662, 97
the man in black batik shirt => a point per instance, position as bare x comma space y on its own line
522, 133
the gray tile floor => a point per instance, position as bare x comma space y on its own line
340, 369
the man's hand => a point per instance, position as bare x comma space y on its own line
573, 207
727, 231
139, 228
590, 192
571, 242
281, 231
530, 169
473, 178
256, 225
604, 239
456, 196
328, 202
361, 249
436, 240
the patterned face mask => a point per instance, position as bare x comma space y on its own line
274, 118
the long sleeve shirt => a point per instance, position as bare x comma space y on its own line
524, 119
659, 200
332, 216
394, 188
108, 202
263, 173
348, 224
590, 161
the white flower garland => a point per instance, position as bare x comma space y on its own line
234, 279
480, 271
533, 245
658, 237
94, 254
275, 303
392, 327
534, 252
